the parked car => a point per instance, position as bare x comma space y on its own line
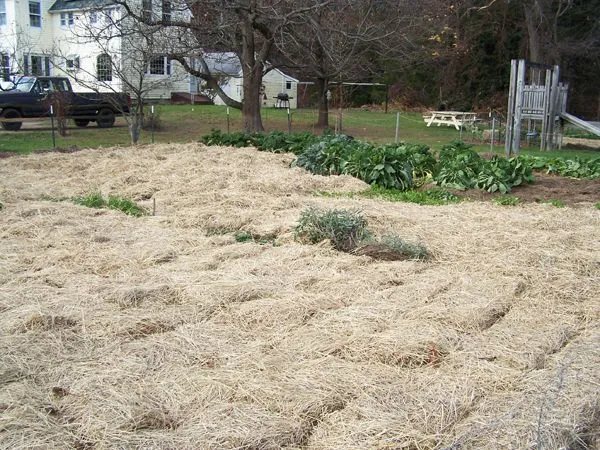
32, 97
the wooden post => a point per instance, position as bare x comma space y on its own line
552, 109
387, 97
511, 108
516, 138
544, 139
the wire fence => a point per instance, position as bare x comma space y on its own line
184, 123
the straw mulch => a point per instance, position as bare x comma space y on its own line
164, 332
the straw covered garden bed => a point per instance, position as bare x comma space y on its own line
166, 332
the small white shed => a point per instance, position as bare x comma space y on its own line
276, 84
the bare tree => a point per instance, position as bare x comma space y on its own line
248, 28
129, 57
16, 46
348, 40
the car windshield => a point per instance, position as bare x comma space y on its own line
25, 84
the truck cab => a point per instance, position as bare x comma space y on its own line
32, 97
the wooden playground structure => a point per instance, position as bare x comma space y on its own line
538, 97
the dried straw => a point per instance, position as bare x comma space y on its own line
164, 332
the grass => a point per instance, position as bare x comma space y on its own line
424, 197
92, 200
95, 200
507, 200
431, 197
186, 123
245, 236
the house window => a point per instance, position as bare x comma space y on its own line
94, 17
4, 67
36, 65
2, 12
159, 65
109, 16
35, 14
288, 85
72, 63
66, 19
147, 10
104, 67
166, 11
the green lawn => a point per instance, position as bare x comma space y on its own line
185, 123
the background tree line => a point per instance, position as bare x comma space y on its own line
431, 53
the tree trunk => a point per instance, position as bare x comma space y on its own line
136, 120
253, 64
322, 88
533, 35
251, 100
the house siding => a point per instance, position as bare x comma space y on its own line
67, 45
19, 38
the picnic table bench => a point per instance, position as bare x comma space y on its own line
450, 118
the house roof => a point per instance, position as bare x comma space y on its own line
70, 5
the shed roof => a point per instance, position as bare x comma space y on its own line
228, 63
223, 63
70, 5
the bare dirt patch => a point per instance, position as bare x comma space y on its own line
546, 188
167, 331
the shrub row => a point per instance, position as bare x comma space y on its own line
461, 167
405, 166
276, 141
575, 167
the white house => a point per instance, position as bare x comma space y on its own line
53, 37
50, 37
228, 68
26, 37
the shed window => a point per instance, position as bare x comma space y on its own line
288, 85
35, 14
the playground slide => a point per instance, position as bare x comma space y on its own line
587, 126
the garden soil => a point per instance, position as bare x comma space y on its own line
166, 332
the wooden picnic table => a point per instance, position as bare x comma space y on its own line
454, 118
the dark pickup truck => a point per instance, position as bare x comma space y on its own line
32, 97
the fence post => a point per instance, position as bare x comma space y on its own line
508, 135
52, 123
152, 122
493, 134
397, 127
228, 120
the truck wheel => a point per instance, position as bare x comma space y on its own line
82, 123
105, 118
11, 114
